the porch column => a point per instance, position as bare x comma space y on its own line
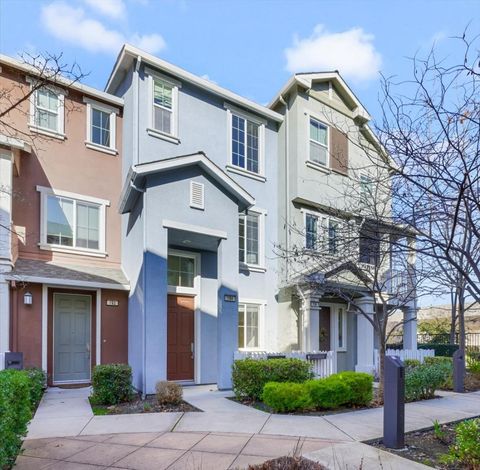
365, 337
410, 326
5, 246
227, 320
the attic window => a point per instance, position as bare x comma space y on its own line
197, 196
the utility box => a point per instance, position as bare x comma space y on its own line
459, 371
14, 360
394, 403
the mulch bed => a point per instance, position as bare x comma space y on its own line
288, 463
424, 447
137, 405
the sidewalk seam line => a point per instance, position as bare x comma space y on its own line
341, 430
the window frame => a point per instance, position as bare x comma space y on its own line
59, 133
311, 116
323, 224
260, 266
261, 123
153, 76
196, 273
112, 111
76, 198
334, 342
260, 304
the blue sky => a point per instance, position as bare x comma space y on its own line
248, 46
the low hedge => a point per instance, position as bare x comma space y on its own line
38, 383
440, 349
286, 396
111, 384
249, 376
422, 381
15, 413
345, 388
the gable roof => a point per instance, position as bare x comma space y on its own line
306, 80
137, 173
61, 81
129, 54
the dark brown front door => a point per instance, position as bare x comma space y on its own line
180, 337
324, 333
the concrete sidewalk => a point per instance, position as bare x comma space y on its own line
64, 428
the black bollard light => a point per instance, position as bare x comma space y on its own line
394, 403
459, 371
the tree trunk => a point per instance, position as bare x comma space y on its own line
381, 367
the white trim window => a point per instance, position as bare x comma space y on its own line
71, 222
249, 325
251, 239
246, 135
47, 110
163, 103
319, 142
340, 329
321, 233
181, 270
101, 126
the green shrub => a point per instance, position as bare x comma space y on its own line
440, 349
329, 393
421, 382
15, 413
286, 396
434, 360
411, 363
473, 364
465, 452
112, 384
38, 382
361, 387
249, 376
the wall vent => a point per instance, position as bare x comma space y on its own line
197, 196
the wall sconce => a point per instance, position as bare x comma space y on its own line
28, 298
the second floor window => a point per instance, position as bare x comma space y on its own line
249, 238
321, 233
72, 223
47, 110
245, 144
100, 127
162, 106
311, 231
369, 246
318, 142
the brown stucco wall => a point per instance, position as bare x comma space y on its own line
26, 324
66, 165
114, 338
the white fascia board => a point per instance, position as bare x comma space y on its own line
130, 52
85, 89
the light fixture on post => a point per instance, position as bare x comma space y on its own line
28, 298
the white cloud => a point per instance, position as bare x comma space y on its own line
111, 8
351, 52
70, 24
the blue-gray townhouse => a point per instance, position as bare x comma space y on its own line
200, 220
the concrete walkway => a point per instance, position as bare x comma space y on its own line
225, 435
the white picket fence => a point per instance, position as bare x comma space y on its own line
2, 361
320, 367
418, 354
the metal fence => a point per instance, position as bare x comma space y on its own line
324, 363
472, 340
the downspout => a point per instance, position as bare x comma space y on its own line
287, 188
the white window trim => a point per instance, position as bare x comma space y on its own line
102, 203
151, 77
260, 176
196, 269
261, 304
322, 219
311, 163
92, 104
60, 132
260, 267
334, 328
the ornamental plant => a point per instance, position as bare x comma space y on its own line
111, 384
